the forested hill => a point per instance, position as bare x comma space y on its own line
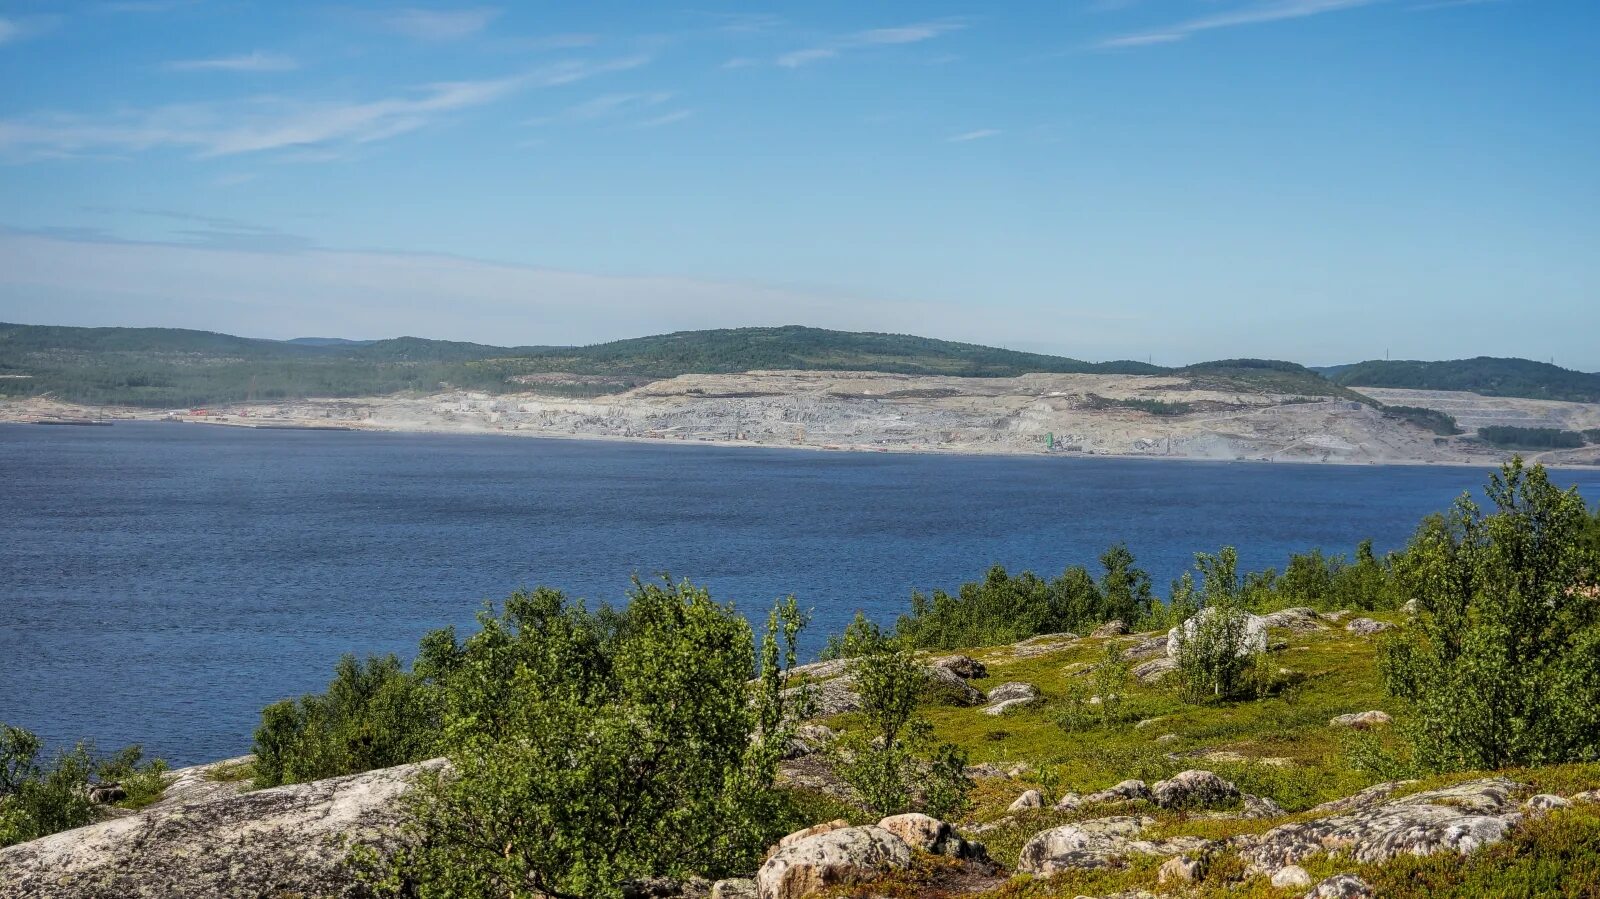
165, 367
1485, 374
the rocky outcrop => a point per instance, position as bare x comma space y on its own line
1041, 645
1030, 799
1096, 843
1361, 720
1252, 635
1009, 696
1298, 618
965, 667
1193, 789
1116, 627
948, 687
1373, 828
283, 841
1126, 791
928, 834
830, 697
1366, 627
1154, 670
1146, 647
808, 866
1341, 886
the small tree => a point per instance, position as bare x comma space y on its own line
1214, 656
897, 757
1502, 662
1124, 587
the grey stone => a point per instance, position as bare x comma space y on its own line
1193, 789
812, 865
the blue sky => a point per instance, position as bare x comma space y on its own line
1319, 180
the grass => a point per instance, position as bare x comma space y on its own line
1331, 672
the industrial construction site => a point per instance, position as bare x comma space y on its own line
1156, 416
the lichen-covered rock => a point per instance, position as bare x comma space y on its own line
808, 739
1361, 720
1013, 690
806, 833
965, 667
1180, 869
1154, 670
1028, 800
1372, 829
1252, 634
929, 834
1294, 619
948, 687
810, 866
1260, 807
1291, 876
1116, 627
1193, 789
665, 888
1367, 626
1146, 647
283, 841
830, 697
1544, 802
1126, 791
1098, 843
1043, 644
1341, 886
203, 783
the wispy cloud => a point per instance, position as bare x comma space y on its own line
439, 24
248, 62
13, 28
275, 123
875, 37
666, 118
965, 136
1260, 13
798, 58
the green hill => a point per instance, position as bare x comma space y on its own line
1485, 374
168, 367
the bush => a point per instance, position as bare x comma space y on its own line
37, 800
1502, 663
593, 747
1005, 608
373, 715
1212, 662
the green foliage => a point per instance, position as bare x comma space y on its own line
1502, 663
1530, 438
1004, 608
38, 799
860, 636
1332, 582
169, 368
1484, 374
594, 747
1153, 407
1213, 662
373, 715
1441, 423
894, 757
1099, 699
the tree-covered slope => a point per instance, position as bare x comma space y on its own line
168, 367
1487, 375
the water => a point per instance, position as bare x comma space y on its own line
161, 583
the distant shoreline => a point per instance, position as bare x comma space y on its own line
124, 415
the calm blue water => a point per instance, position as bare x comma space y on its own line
161, 583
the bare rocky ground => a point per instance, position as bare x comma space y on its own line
1035, 414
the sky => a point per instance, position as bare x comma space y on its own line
1173, 180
